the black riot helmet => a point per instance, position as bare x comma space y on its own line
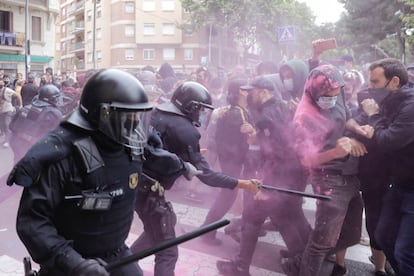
191, 98
48, 94
114, 102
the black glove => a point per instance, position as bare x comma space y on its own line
154, 138
89, 267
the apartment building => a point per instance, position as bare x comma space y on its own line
130, 34
41, 34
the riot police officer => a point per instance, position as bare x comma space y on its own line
176, 122
79, 205
34, 120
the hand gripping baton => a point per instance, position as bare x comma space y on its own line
294, 192
168, 243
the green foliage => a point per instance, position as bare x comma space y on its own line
374, 28
256, 22
407, 18
368, 30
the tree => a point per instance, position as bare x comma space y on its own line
254, 23
407, 17
371, 22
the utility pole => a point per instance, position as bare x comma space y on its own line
27, 40
94, 36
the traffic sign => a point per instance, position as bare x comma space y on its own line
286, 34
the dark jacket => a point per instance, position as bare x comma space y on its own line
181, 137
231, 144
56, 231
394, 135
281, 166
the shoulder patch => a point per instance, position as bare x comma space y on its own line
89, 153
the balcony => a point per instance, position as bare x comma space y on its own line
78, 47
79, 7
79, 27
11, 42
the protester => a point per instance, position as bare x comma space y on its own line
232, 130
7, 110
29, 90
390, 112
332, 160
279, 167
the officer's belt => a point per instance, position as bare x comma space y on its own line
153, 185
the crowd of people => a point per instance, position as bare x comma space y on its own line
113, 143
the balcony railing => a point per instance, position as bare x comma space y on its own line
78, 46
11, 39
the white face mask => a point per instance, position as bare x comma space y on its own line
288, 84
327, 102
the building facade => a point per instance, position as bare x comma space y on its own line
129, 35
41, 35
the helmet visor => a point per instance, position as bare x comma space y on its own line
126, 127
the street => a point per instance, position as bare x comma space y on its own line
196, 258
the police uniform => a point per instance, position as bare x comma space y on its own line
71, 227
30, 124
80, 181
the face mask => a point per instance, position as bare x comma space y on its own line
378, 94
326, 102
288, 84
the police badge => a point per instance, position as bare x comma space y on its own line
133, 180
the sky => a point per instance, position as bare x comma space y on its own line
325, 10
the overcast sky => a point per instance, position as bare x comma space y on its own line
325, 10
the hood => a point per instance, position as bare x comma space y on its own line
300, 72
323, 79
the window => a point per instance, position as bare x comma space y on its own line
149, 29
98, 55
36, 28
188, 54
89, 35
148, 54
168, 53
89, 15
89, 58
129, 54
168, 5
98, 33
168, 29
98, 12
129, 7
6, 19
188, 30
129, 30
148, 5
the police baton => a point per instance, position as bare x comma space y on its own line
294, 192
168, 243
